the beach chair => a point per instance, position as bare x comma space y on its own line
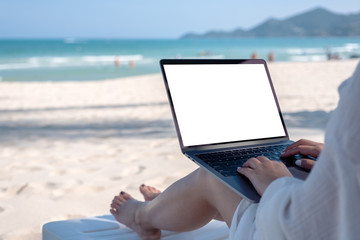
107, 228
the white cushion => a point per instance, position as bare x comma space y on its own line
106, 227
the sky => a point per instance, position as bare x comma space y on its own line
146, 19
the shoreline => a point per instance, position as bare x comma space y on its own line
350, 60
69, 147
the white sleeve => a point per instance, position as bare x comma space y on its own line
274, 213
326, 205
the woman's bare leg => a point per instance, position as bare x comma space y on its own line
189, 203
149, 193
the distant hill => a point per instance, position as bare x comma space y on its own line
314, 23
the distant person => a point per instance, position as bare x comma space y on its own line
117, 61
271, 57
254, 55
204, 53
335, 56
328, 53
324, 206
131, 63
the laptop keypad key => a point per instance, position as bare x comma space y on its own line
227, 162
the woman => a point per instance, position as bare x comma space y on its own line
325, 206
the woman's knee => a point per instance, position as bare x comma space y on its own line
206, 178
203, 174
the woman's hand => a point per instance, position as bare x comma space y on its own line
304, 147
261, 172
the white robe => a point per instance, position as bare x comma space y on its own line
327, 204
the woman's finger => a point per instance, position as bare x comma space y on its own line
305, 163
246, 171
252, 163
304, 150
301, 142
262, 159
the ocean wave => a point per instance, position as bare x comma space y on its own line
308, 58
347, 48
201, 57
344, 49
304, 51
71, 61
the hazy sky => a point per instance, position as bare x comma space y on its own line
146, 18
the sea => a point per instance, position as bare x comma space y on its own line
98, 59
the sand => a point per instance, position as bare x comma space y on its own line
67, 148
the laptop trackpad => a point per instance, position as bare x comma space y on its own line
243, 185
298, 172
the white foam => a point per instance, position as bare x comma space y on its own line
352, 46
308, 58
16, 66
347, 48
303, 51
128, 58
71, 61
320, 54
202, 57
98, 59
294, 51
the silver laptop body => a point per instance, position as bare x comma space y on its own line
223, 108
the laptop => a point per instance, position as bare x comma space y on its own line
226, 111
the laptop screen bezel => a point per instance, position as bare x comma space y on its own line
240, 143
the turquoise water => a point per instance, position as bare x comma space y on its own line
79, 60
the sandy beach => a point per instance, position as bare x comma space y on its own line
68, 147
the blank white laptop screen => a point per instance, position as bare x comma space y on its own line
218, 103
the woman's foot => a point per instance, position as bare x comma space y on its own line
149, 192
127, 211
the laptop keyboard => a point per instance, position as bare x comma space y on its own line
227, 162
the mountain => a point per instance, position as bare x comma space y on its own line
314, 23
